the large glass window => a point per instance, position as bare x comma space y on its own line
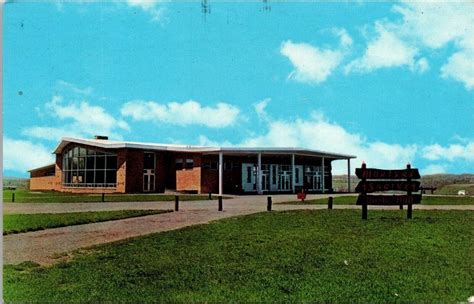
83, 167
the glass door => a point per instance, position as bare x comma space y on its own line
148, 180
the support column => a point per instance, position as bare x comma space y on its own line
221, 166
349, 175
293, 171
323, 178
259, 174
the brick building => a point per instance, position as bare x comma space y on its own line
101, 165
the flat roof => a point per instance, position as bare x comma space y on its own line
111, 144
43, 167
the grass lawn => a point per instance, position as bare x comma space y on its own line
314, 256
454, 188
26, 196
427, 200
16, 223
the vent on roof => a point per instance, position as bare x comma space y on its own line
101, 137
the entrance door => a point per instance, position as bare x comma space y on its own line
148, 180
274, 180
317, 182
285, 182
265, 182
248, 177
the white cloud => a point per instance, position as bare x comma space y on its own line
186, 113
49, 133
149, 6
345, 39
70, 87
450, 153
313, 64
422, 65
260, 108
81, 119
22, 155
436, 23
423, 27
460, 67
433, 169
318, 133
205, 141
385, 51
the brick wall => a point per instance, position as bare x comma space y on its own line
189, 179
44, 183
121, 170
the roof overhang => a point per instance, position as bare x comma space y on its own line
42, 168
109, 144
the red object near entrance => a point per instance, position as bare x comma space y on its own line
301, 196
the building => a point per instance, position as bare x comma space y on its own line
103, 166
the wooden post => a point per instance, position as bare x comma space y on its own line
401, 207
409, 211
364, 211
13, 197
330, 202
103, 197
269, 203
176, 203
364, 206
219, 208
210, 195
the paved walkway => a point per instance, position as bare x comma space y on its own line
45, 246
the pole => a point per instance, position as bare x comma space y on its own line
322, 170
221, 165
176, 203
330, 199
293, 173
219, 207
269, 203
259, 174
409, 211
348, 175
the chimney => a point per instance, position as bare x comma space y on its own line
102, 137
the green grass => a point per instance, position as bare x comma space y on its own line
297, 256
427, 200
26, 196
16, 223
454, 188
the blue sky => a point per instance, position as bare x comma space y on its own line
389, 82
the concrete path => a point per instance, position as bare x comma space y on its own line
30, 208
45, 246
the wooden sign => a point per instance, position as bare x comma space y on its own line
387, 174
377, 186
388, 200
378, 180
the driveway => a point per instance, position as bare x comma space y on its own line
45, 246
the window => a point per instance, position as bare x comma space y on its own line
149, 160
179, 164
297, 177
249, 174
189, 163
274, 174
210, 165
84, 167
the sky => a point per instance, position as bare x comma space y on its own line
392, 83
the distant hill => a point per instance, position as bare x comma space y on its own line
440, 181
17, 182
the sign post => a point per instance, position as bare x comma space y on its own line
377, 180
